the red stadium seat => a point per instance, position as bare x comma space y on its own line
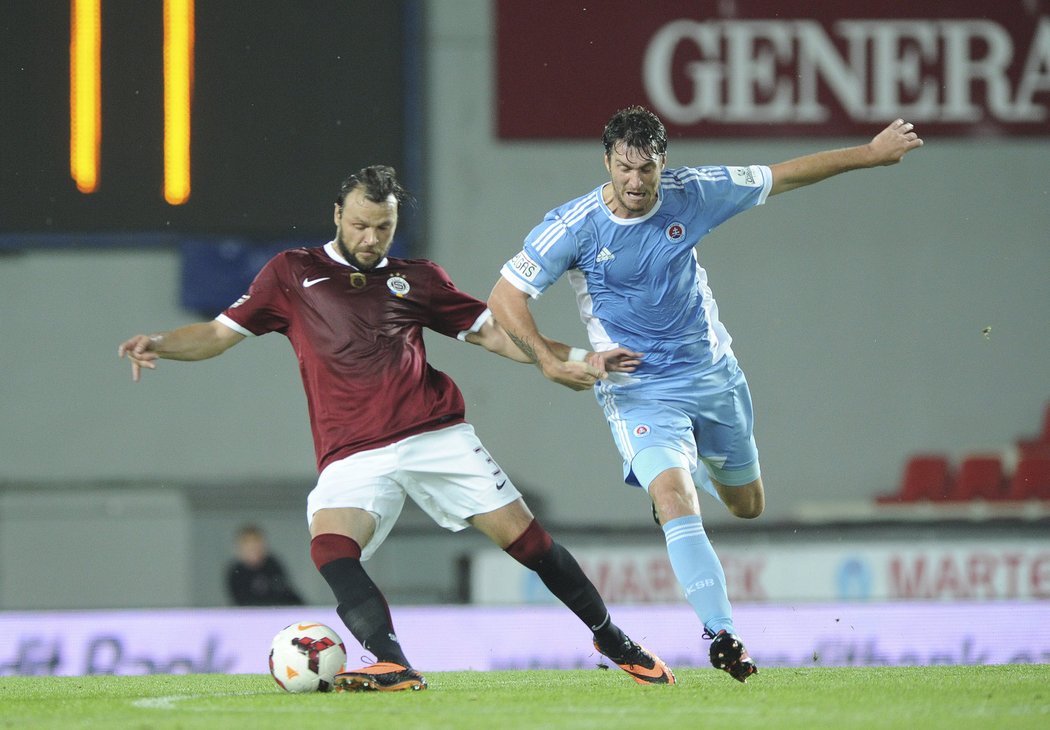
980, 477
1033, 449
925, 477
1040, 445
1031, 479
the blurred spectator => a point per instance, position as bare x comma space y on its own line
257, 577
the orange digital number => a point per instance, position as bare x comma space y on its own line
85, 95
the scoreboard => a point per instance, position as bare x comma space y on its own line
285, 99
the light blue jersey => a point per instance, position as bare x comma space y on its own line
639, 285
637, 280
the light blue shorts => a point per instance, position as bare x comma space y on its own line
703, 416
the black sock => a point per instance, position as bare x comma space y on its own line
563, 576
559, 571
363, 609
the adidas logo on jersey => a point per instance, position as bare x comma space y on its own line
604, 255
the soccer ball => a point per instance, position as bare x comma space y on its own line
305, 657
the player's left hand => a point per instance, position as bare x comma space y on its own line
891, 144
616, 360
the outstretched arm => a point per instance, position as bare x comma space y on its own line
511, 309
495, 339
197, 341
888, 147
578, 375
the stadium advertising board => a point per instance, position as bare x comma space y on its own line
237, 641
988, 570
763, 68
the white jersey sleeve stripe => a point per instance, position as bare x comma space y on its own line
550, 236
581, 209
223, 319
478, 324
560, 225
517, 282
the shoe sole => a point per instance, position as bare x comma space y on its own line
367, 683
740, 671
735, 662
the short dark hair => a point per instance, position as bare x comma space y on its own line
636, 127
378, 181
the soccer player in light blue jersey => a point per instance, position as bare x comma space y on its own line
679, 406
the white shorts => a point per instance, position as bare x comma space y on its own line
448, 473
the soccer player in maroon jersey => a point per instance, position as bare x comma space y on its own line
387, 425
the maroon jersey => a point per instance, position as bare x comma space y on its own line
359, 340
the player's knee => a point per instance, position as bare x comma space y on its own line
747, 501
328, 547
748, 510
532, 546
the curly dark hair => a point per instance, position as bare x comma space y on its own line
636, 127
378, 181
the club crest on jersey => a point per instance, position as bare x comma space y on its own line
358, 280
675, 232
641, 430
397, 285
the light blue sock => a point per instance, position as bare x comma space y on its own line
699, 572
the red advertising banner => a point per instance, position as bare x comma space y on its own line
748, 68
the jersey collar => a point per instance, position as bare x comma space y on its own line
625, 221
333, 253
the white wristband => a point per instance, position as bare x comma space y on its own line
577, 354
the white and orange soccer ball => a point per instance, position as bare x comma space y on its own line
305, 657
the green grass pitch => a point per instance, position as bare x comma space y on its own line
955, 697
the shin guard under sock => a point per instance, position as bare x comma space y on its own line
362, 606
559, 571
699, 572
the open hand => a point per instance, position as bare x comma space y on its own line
891, 144
616, 360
